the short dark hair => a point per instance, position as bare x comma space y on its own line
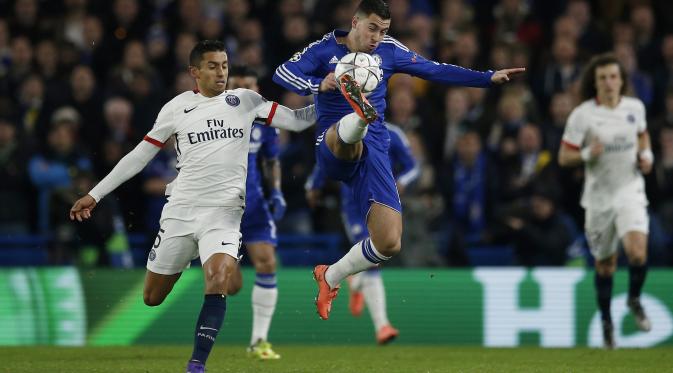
242, 71
588, 82
196, 55
378, 7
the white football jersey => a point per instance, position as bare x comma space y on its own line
613, 178
212, 138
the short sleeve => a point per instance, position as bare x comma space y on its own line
164, 127
641, 118
575, 130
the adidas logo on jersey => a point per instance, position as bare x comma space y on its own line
334, 60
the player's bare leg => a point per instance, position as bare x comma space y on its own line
605, 270
264, 298
635, 247
235, 282
157, 287
216, 272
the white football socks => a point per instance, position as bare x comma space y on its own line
375, 298
362, 255
263, 306
351, 128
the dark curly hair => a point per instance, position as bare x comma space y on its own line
588, 82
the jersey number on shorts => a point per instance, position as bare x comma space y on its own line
157, 241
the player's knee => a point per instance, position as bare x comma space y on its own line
152, 299
233, 287
266, 264
388, 245
638, 259
606, 269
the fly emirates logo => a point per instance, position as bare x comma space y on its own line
216, 130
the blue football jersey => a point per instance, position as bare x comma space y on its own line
304, 72
264, 141
405, 168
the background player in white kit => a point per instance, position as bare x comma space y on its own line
202, 218
608, 133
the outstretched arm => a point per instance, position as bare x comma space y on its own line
282, 117
127, 167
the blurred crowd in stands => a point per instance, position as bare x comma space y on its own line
81, 82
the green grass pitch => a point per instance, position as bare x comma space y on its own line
299, 358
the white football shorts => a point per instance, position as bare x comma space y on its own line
605, 228
187, 232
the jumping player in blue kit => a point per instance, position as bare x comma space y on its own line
367, 286
352, 143
258, 230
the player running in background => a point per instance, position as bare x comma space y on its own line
257, 226
211, 127
608, 133
352, 142
367, 286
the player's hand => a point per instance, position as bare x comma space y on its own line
504, 75
81, 210
329, 83
645, 164
514, 223
278, 205
596, 148
313, 198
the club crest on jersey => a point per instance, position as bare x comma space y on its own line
232, 100
631, 118
378, 59
153, 255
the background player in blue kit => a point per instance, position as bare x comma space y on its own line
367, 286
257, 225
352, 142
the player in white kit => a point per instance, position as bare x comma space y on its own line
608, 133
211, 127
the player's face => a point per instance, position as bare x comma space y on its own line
608, 80
247, 82
369, 31
211, 75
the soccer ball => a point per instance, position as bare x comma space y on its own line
362, 67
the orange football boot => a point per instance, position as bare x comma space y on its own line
351, 91
323, 300
386, 334
356, 302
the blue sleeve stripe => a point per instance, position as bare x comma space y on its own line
289, 77
280, 74
406, 178
391, 40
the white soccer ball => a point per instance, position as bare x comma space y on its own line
362, 67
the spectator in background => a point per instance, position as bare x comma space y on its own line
24, 21
664, 74
528, 164
511, 117
561, 105
469, 188
590, 38
61, 174
662, 185
47, 62
16, 192
20, 66
559, 72
85, 97
640, 82
642, 19
456, 15
515, 23
32, 110
540, 236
